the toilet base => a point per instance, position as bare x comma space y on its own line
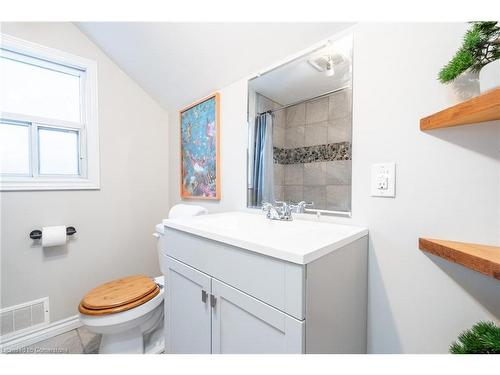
147, 338
154, 342
127, 342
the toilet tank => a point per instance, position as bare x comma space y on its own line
159, 234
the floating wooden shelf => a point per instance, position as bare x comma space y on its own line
485, 107
480, 258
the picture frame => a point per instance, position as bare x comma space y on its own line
200, 149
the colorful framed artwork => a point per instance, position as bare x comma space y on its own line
200, 162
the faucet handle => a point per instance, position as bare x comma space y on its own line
266, 206
269, 209
300, 207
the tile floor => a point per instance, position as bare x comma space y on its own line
77, 341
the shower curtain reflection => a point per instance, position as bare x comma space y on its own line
263, 180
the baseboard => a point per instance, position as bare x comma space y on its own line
31, 337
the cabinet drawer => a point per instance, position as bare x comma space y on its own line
273, 281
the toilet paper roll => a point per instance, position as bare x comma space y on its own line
53, 236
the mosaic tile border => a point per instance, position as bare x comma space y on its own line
309, 154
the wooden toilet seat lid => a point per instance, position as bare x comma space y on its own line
114, 310
120, 292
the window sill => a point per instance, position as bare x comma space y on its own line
49, 184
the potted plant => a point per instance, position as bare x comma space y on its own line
479, 53
482, 338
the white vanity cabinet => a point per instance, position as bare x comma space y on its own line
206, 316
222, 298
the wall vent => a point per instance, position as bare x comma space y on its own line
24, 317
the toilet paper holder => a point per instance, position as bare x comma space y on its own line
37, 234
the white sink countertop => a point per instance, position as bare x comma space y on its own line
297, 241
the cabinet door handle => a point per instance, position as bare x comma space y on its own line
213, 300
204, 296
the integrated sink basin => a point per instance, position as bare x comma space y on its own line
298, 241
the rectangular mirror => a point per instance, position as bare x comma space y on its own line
300, 131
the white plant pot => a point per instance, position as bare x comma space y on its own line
489, 76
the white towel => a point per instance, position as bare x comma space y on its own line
186, 210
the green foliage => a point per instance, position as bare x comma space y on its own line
482, 338
480, 46
462, 61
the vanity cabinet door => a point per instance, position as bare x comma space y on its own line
187, 309
243, 324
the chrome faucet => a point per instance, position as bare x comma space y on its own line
280, 211
283, 210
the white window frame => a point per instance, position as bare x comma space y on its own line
87, 127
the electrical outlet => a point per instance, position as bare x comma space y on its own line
383, 180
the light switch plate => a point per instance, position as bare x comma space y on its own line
383, 180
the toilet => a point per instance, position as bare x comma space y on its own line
128, 312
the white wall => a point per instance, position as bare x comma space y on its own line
233, 133
448, 186
114, 223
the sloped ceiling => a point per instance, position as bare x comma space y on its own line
177, 63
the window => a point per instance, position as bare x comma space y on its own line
48, 118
